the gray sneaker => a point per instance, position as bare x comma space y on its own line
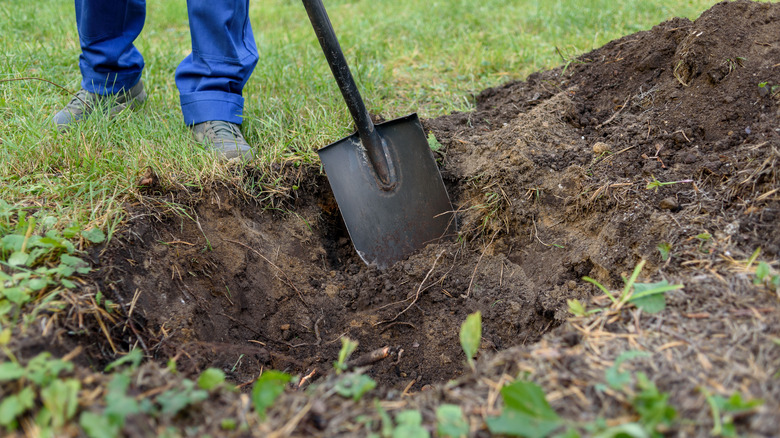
223, 137
84, 103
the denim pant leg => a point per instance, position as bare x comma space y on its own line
212, 77
109, 61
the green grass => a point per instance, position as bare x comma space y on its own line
407, 56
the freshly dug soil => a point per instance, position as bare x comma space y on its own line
669, 136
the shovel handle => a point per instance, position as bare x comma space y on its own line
375, 148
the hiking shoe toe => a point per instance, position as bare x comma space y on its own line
223, 137
85, 102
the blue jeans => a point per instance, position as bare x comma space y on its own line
210, 79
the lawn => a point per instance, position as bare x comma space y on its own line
113, 199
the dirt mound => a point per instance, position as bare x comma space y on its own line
668, 136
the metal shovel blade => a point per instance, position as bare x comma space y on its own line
387, 224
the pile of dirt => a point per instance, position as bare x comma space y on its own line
668, 136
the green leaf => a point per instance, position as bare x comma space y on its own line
569, 433
18, 258
176, 399
15, 405
36, 284
211, 378
409, 425
98, 426
576, 307
665, 248
516, 423
10, 371
61, 399
267, 388
451, 422
528, 397
135, 357
762, 270
652, 405
736, 404
42, 369
627, 430
649, 296
471, 336
12, 242
228, 424
16, 295
75, 263
118, 404
527, 412
433, 143
348, 346
355, 385
5, 338
71, 232
94, 235
618, 379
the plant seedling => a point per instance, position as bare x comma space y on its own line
267, 388
348, 346
655, 184
724, 411
646, 296
665, 248
703, 238
578, 309
471, 337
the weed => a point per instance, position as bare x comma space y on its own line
451, 422
348, 346
433, 143
578, 309
655, 184
665, 248
266, 390
703, 238
38, 262
646, 296
39, 380
471, 337
725, 410
409, 425
355, 385
210, 379
526, 413
616, 378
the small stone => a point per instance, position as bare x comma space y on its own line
600, 147
669, 204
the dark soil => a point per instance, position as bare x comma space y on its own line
549, 176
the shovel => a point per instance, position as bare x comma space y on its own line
384, 176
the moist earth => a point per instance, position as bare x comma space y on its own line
668, 137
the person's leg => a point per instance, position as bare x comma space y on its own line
110, 65
109, 61
212, 77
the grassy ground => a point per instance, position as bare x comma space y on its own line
428, 57
407, 56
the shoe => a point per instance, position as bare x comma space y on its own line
81, 106
223, 137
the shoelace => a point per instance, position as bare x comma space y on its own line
80, 99
225, 131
